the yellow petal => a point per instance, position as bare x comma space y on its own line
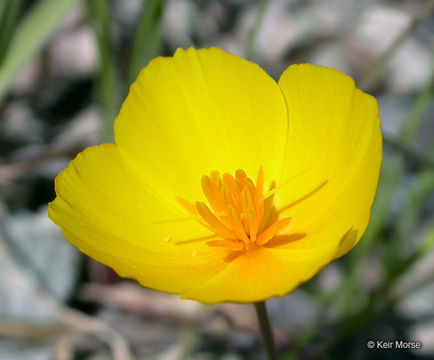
262, 273
333, 156
114, 217
200, 111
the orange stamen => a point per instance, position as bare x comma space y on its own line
187, 206
214, 223
237, 211
269, 233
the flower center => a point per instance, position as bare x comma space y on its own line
235, 212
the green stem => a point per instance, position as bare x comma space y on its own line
267, 334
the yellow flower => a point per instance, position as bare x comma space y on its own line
173, 205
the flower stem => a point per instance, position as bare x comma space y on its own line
267, 334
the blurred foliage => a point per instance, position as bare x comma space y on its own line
29, 36
65, 67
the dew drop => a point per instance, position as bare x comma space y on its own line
194, 254
167, 240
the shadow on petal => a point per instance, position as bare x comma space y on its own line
347, 242
281, 240
232, 256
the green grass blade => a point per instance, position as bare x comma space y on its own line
423, 102
147, 41
418, 192
9, 13
108, 89
31, 35
262, 7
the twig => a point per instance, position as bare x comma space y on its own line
64, 348
19, 330
68, 318
369, 79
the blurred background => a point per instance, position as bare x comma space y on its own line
65, 67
